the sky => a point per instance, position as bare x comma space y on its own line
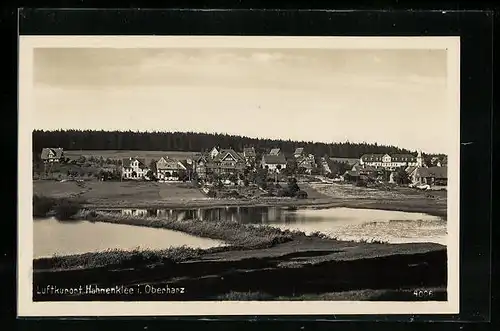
395, 97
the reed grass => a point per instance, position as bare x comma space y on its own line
119, 258
233, 233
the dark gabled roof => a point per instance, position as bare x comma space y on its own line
126, 162
435, 172
225, 152
171, 163
58, 152
350, 161
274, 159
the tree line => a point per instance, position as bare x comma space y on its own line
193, 141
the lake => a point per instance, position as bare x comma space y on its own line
51, 236
73, 237
341, 223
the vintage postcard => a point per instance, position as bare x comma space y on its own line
210, 175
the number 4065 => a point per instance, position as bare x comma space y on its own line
423, 293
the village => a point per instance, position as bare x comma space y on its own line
245, 208
251, 174
226, 167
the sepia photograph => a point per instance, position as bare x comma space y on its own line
237, 175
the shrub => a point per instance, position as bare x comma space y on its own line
301, 194
211, 194
283, 193
293, 187
66, 209
42, 205
361, 183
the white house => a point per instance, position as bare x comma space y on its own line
392, 161
170, 169
274, 163
134, 168
52, 155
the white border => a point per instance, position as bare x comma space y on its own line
26, 307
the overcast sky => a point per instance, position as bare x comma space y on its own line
395, 97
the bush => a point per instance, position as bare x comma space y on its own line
66, 209
361, 183
301, 194
211, 194
293, 187
42, 205
282, 193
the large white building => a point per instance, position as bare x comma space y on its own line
391, 161
134, 168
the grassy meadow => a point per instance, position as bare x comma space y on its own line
109, 193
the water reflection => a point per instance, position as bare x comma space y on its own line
51, 236
282, 215
342, 223
253, 215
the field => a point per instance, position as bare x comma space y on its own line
119, 154
397, 198
120, 193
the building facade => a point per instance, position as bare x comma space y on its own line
391, 161
221, 162
273, 162
432, 176
134, 168
52, 155
170, 169
249, 155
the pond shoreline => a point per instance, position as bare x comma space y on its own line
237, 236
253, 257
403, 206
255, 260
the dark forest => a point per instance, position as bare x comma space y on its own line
192, 141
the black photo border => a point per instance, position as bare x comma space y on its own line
475, 29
